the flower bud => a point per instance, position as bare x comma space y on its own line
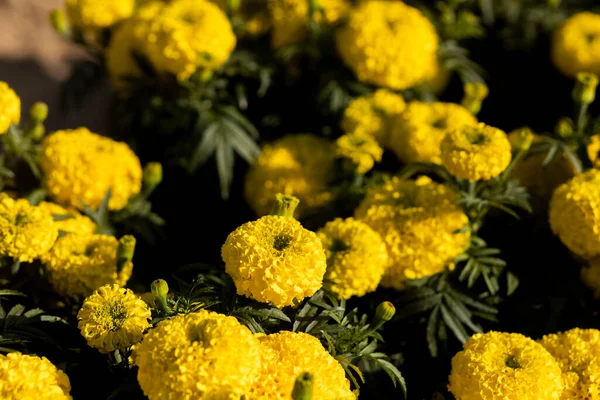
303, 387
38, 112
522, 139
475, 93
60, 22
160, 289
125, 251
385, 311
585, 88
153, 174
564, 127
37, 132
284, 205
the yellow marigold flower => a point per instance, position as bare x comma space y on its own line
478, 152
26, 231
356, 257
80, 167
593, 150
575, 214
372, 114
419, 222
508, 366
590, 275
577, 353
299, 165
201, 355
417, 133
30, 377
576, 44
69, 221
275, 260
362, 150
79, 264
531, 174
113, 318
389, 44
10, 107
285, 355
95, 14
290, 18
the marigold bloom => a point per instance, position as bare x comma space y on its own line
575, 214
26, 231
577, 353
201, 355
373, 114
30, 377
576, 44
356, 257
80, 167
590, 275
593, 150
389, 44
299, 165
69, 220
290, 18
506, 366
417, 133
420, 224
275, 260
361, 150
478, 152
113, 318
285, 355
95, 14
77, 265
10, 107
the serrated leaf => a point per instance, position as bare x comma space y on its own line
432, 323
454, 325
394, 374
463, 314
419, 306
491, 282
239, 118
205, 148
551, 155
242, 143
225, 161
472, 302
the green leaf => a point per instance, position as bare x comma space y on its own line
512, 283
463, 314
418, 307
432, 324
472, 302
225, 161
242, 143
551, 155
454, 325
205, 148
394, 374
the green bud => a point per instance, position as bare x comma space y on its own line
564, 127
585, 88
385, 311
153, 174
125, 251
38, 112
160, 289
303, 387
475, 93
522, 139
60, 22
284, 205
37, 132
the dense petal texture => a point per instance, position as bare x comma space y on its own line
95, 14
361, 150
10, 107
576, 44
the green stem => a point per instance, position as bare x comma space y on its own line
284, 205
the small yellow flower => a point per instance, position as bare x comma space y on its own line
418, 132
285, 355
300, 165
362, 151
356, 257
478, 152
420, 224
575, 214
80, 167
577, 353
96, 14
290, 18
26, 232
506, 366
201, 356
69, 220
10, 107
576, 45
25, 377
275, 260
373, 114
389, 44
77, 265
113, 318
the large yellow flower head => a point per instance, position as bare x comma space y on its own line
356, 257
578, 354
10, 107
26, 231
590, 275
69, 220
419, 222
290, 18
80, 167
373, 114
478, 152
24, 377
299, 165
113, 318
575, 214
285, 355
418, 132
389, 44
361, 150
202, 355
96, 14
504, 366
79, 264
275, 260
576, 45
